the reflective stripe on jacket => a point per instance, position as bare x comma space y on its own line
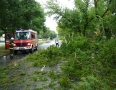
11, 44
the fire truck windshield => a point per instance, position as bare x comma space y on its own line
22, 35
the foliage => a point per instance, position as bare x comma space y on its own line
52, 35
91, 83
75, 44
9, 76
17, 14
107, 57
71, 20
85, 17
48, 57
47, 33
87, 66
65, 82
21, 14
92, 64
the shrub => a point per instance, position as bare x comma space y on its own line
97, 58
91, 83
64, 82
107, 58
78, 42
50, 56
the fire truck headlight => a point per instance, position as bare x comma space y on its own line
29, 44
14, 44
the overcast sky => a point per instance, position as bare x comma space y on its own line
49, 20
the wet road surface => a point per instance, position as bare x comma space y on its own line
2, 43
5, 60
29, 84
46, 45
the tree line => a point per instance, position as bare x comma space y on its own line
22, 14
88, 17
89, 39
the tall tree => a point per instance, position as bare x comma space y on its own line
21, 14
87, 16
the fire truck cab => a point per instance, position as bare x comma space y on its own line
25, 40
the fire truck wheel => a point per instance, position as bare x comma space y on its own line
36, 48
15, 52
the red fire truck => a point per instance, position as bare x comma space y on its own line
25, 40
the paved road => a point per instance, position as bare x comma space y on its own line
5, 60
46, 45
2, 43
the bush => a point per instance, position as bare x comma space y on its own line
85, 59
91, 83
50, 56
73, 45
107, 58
65, 82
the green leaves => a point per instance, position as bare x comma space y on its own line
48, 57
21, 14
92, 64
83, 18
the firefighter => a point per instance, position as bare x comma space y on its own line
11, 45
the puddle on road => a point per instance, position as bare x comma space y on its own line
5, 60
39, 79
35, 79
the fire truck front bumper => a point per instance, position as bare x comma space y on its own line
22, 48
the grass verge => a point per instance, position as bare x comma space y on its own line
3, 51
43, 41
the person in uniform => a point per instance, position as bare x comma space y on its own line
11, 47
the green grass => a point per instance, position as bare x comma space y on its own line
3, 51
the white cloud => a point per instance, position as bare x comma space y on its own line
51, 23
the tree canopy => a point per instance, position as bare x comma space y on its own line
15, 14
87, 17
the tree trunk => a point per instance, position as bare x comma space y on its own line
5, 39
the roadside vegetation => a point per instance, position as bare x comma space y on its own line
87, 65
86, 59
43, 41
25, 15
3, 51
